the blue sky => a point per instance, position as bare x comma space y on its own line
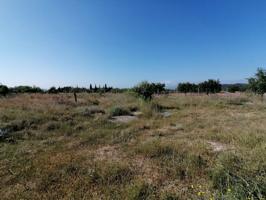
121, 42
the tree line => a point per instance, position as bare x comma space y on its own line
256, 84
91, 89
209, 86
4, 90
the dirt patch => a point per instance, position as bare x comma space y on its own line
218, 147
147, 170
123, 119
171, 130
108, 153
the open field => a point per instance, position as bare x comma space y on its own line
174, 147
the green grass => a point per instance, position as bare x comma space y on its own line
54, 148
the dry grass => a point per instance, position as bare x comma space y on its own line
209, 147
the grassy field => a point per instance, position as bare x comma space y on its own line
174, 147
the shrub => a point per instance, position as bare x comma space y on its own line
119, 111
91, 110
51, 126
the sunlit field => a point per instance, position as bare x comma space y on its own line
118, 146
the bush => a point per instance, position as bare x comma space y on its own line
91, 110
119, 111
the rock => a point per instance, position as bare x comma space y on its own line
3, 133
123, 119
137, 113
166, 114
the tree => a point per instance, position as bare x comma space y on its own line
146, 89
158, 87
52, 90
257, 84
210, 86
187, 87
3, 90
105, 88
95, 88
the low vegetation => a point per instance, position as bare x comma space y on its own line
209, 147
144, 145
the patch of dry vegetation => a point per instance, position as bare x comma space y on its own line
207, 147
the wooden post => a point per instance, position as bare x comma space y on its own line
75, 96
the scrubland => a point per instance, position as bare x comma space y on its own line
117, 146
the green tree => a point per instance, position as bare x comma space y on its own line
52, 90
210, 86
187, 87
3, 90
257, 84
146, 90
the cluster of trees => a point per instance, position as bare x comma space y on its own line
237, 87
4, 90
105, 88
146, 90
210, 86
26, 89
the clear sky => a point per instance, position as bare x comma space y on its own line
121, 42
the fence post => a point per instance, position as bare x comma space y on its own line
75, 96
